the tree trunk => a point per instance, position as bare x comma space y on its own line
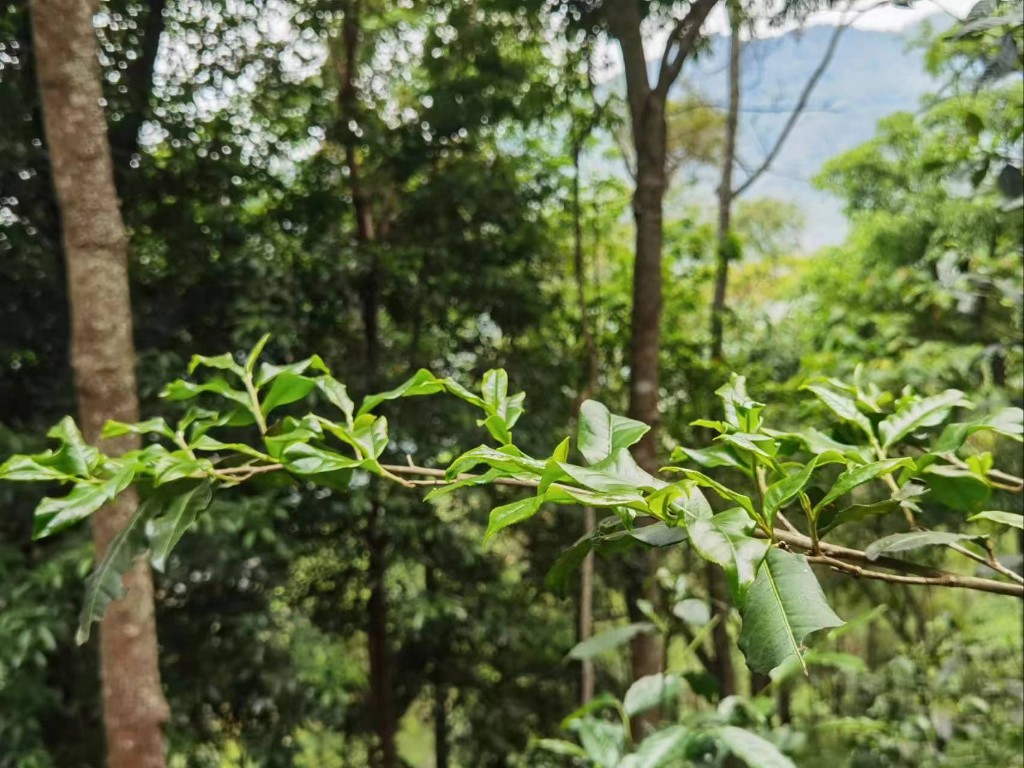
440, 726
724, 669
386, 753
102, 353
725, 190
590, 385
381, 694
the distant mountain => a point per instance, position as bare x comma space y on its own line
872, 74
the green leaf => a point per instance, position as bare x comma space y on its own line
783, 605
423, 382
763, 446
177, 515
665, 748
213, 445
1008, 422
30, 468
223, 362
150, 426
370, 434
560, 747
269, 371
286, 388
557, 578
857, 512
919, 414
305, 459
726, 493
649, 692
852, 478
254, 353
752, 749
187, 390
842, 406
785, 490
486, 478
901, 542
1002, 518
104, 585
75, 456
507, 458
956, 488
717, 455
602, 741
609, 640
601, 432
741, 412
510, 514
337, 394
616, 474
845, 662
56, 514
725, 539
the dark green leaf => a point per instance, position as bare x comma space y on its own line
1006, 421
783, 605
104, 585
725, 539
178, 511
852, 478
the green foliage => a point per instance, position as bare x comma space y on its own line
778, 595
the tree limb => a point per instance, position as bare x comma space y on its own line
681, 43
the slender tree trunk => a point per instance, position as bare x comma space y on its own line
102, 352
440, 726
724, 669
590, 348
725, 190
381, 694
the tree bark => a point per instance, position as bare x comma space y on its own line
647, 118
381, 693
102, 353
725, 191
586, 617
724, 669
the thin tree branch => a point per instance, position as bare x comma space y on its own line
805, 95
681, 43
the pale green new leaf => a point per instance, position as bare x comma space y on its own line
665, 748
510, 514
649, 692
423, 382
609, 640
1008, 422
601, 432
754, 751
1002, 518
783, 605
842, 406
